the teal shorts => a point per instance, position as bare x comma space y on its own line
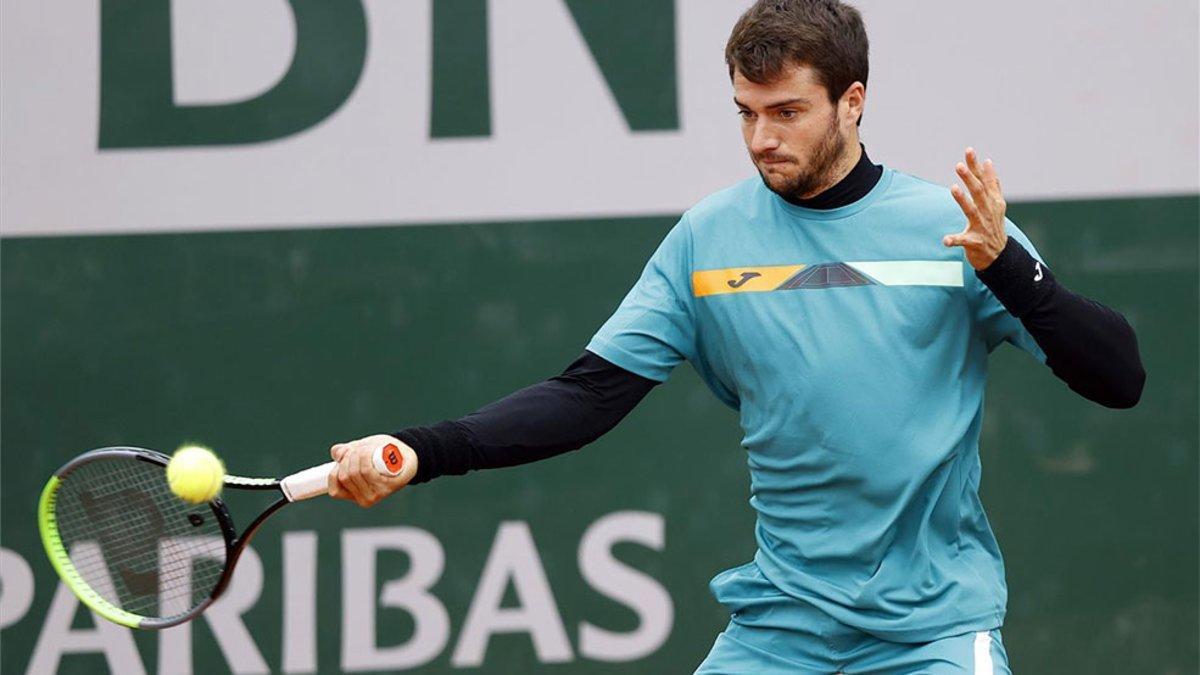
770, 632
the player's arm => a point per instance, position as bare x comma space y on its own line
1087, 345
651, 332
549, 418
546, 419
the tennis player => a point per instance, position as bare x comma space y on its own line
847, 311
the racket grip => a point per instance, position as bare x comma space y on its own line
314, 482
308, 483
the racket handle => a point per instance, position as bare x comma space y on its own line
314, 482
308, 483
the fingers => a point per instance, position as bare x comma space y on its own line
335, 486
342, 477
973, 163
990, 179
984, 237
985, 171
970, 178
985, 206
996, 195
370, 477
966, 204
961, 239
351, 475
983, 182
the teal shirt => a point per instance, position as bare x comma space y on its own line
854, 345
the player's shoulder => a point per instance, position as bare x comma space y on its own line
917, 202
736, 202
916, 192
932, 205
923, 194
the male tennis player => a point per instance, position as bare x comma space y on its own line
847, 311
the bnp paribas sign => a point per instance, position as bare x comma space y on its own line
377, 606
632, 44
215, 114
153, 115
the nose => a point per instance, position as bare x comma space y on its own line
763, 138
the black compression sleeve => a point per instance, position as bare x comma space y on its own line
549, 418
1089, 346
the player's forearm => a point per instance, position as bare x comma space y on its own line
549, 418
1089, 346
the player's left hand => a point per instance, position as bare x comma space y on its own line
984, 237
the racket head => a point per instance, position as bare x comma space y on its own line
128, 548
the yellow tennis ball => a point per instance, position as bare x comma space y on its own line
195, 474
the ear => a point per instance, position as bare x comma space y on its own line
851, 105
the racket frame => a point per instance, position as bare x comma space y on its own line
235, 543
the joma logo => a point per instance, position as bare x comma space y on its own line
746, 276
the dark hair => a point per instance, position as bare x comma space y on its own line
825, 35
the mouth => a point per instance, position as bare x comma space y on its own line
775, 168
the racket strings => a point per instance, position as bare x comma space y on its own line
134, 542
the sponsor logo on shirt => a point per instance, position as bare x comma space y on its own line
827, 275
746, 276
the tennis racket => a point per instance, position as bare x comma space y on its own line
138, 555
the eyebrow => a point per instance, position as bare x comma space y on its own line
777, 104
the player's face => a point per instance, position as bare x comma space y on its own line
796, 136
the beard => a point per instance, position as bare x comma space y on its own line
819, 173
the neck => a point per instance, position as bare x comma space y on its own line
841, 168
852, 184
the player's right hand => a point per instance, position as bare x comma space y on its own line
356, 479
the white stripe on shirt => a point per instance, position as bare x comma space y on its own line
983, 653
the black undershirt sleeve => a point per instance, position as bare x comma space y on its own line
549, 418
1089, 346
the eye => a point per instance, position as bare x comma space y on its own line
787, 114
745, 114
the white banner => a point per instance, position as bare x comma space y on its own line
1071, 98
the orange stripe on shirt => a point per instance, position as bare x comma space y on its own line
741, 279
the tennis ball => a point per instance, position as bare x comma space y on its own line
195, 474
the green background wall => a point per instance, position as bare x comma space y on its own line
270, 346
